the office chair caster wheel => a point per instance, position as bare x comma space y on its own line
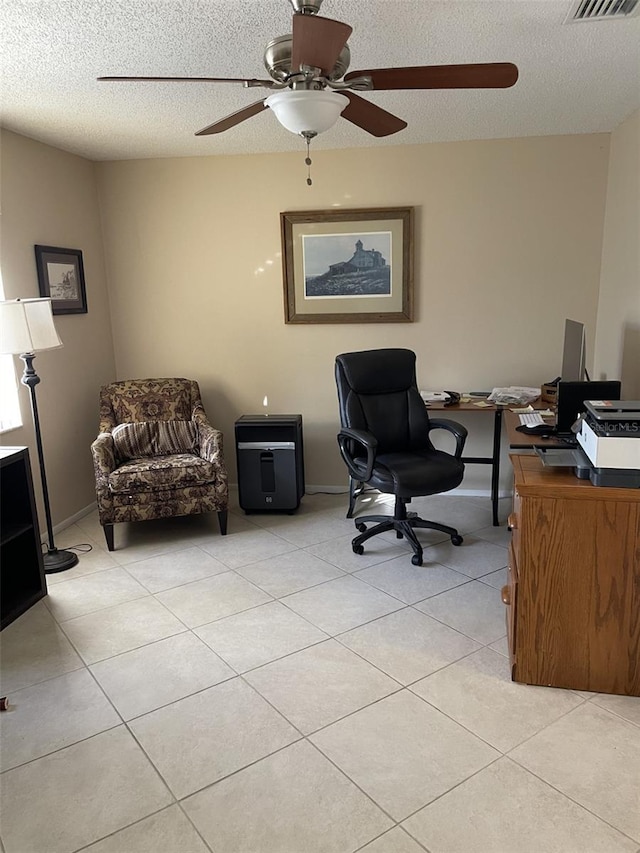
358, 549
457, 540
417, 559
360, 527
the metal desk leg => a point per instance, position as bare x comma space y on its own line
495, 464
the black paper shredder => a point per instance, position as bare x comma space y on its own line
270, 459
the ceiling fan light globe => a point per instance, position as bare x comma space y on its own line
307, 110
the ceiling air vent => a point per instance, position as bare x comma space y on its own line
602, 10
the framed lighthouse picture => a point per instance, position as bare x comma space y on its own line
348, 266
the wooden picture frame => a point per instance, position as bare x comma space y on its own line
348, 266
61, 278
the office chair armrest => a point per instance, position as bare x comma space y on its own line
360, 471
458, 430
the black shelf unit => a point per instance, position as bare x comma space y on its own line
22, 578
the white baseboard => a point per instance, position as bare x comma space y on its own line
477, 493
331, 490
464, 493
313, 490
309, 490
58, 528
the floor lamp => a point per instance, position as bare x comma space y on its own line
26, 327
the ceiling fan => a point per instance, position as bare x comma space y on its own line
311, 88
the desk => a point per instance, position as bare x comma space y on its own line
494, 459
522, 441
573, 610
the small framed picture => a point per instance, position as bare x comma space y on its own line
61, 278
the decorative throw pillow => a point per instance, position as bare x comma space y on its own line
150, 400
154, 438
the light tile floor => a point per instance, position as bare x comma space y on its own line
272, 692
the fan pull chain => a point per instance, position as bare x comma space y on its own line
308, 136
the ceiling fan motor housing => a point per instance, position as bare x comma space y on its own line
306, 7
277, 60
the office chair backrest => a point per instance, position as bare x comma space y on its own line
378, 392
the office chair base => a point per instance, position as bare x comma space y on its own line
361, 523
404, 528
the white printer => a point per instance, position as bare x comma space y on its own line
609, 435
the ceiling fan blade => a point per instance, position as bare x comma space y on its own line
232, 120
499, 75
247, 81
370, 117
317, 42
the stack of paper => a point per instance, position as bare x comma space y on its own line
434, 396
513, 395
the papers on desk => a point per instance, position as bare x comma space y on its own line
434, 396
513, 395
481, 404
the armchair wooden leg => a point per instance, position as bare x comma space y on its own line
222, 521
108, 535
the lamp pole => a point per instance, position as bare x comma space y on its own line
54, 560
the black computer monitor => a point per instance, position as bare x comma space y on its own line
573, 352
571, 397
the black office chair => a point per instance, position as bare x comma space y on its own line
385, 442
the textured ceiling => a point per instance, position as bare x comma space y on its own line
574, 78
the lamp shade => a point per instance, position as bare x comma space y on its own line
26, 325
307, 110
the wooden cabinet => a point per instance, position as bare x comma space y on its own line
573, 591
22, 579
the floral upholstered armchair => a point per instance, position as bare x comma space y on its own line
156, 455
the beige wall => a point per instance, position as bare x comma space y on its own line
49, 197
508, 243
618, 331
